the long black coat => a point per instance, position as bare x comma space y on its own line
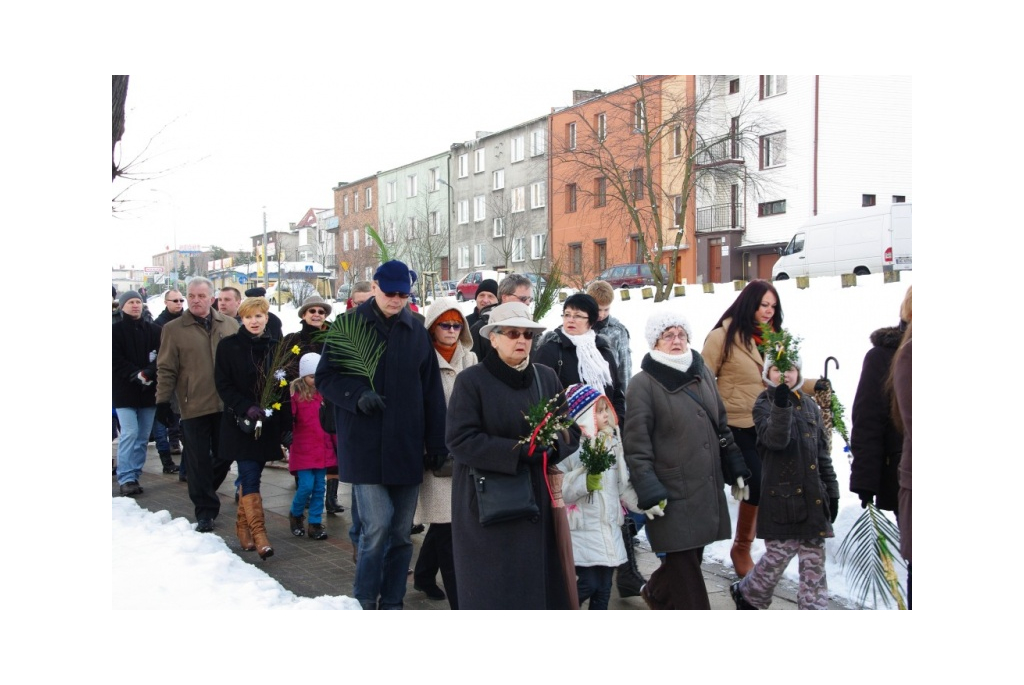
133, 342
236, 373
515, 564
559, 354
304, 339
876, 444
387, 448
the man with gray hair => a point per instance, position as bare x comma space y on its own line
513, 288
184, 364
360, 293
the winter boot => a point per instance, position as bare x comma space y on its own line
737, 596
331, 505
253, 504
169, 465
627, 578
295, 523
746, 530
175, 447
243, 532
317, 532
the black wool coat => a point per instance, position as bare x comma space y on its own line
133, 341
304, 339
514, 564
237, 374
876, 444
559, 354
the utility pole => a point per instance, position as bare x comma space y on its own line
266, 274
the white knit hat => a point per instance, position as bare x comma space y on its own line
769, 362
666, 318
308, 363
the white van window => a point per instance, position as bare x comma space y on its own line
795, 245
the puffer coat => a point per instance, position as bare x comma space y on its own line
312, 447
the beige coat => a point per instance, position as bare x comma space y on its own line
185, 363
739, 377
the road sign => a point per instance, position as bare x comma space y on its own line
154, 269
309, 268
242, 278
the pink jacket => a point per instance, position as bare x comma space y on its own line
311, 448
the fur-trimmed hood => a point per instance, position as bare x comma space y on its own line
887, 337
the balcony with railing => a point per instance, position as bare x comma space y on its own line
725, 151
724, 217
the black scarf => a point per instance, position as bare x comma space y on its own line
517, 380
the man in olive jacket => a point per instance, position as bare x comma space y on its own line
387, 434
188, 346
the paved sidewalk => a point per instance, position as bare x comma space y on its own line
316, 568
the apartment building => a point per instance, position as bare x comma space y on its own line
355, 208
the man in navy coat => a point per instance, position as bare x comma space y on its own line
387, 433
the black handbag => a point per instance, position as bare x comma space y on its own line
503, 497
327, 417
245, 424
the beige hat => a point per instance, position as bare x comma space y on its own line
314, 301
510, 315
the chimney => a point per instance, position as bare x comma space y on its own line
579, 96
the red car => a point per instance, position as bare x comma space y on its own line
629, 275
466, 288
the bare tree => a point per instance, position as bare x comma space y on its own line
509, 229
661, 144
426, 238
120, 93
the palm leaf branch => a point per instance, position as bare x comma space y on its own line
385, 255
351, 344
867, 559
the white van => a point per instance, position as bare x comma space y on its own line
860, 242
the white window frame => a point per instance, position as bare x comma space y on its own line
355, 201
391, 235
498, 179
602, 127
434, 223
538, 195
498, 227
344, 241
368, 273
479, 160
410, 228
773, 150
463, 166
518, 202
464, 256
677, 207
639, 116
367, 239
677, 140
518, 149
434, 179
411, 186
538, 142
572, 136
344, 205
369, 198
538, 245
392, 192
774, 85
479, 208
480, 254
463, 212
355, 238
519, 249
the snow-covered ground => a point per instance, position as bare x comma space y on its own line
161, 563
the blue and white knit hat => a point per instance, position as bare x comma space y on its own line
580, 397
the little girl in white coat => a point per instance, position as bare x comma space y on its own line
596, 516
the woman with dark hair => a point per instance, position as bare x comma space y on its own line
731, 353
579, 355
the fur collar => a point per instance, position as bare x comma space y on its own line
887, 337
669, 378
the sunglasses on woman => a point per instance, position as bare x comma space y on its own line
313, 310
514, 334
450, 326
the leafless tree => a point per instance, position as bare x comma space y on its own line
120, 92
509, 229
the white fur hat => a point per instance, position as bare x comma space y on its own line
666, 318
769, 362
308, 363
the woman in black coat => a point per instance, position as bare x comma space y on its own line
243, 364
513, 564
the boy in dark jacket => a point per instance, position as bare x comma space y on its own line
800, 493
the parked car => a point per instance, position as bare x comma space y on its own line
629, 275
448, 289
283, 294
467, 286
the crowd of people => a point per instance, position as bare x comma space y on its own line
532, 460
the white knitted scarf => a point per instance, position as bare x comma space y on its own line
593, 369
680, 362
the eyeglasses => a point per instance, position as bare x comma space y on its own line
525, 299
178, 301
668, 337
576, 317
514, 334
450, 326
404, 296
314, 310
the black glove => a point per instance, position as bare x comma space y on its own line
370, 403
525, 456
432, 462
164, 414
822, 384
866, 498
833, 508
286, 438
254, 413
782, 394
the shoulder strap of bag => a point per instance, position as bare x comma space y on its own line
711, 417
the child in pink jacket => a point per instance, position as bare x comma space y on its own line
312, 451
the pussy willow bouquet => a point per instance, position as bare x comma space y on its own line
546, 420
780, 348
597, 458
273, 383
352, 345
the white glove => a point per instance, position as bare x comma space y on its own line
142, 379
740, 491
657, 510
152, 355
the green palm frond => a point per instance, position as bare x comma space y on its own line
385, 255
545, 299
867, 559
351, 344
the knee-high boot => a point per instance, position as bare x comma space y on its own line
627, 577
331, 505
253, 504
243, 532
746, 531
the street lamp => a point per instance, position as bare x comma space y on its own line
448, 221
174, 230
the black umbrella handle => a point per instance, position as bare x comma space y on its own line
827, 360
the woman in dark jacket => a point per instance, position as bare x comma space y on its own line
579, 355
875, 441
513, 564
244, 363
135, 346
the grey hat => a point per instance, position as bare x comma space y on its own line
510, 315
127, 295
311, 301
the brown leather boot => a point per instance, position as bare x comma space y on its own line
253, 504
746, 531
243, 532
